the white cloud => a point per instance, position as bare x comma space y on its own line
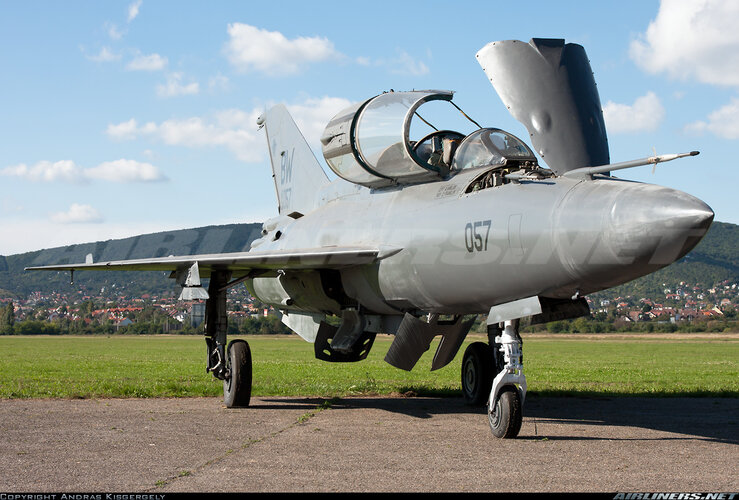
125, 171
696, 40
174, 87
402, 64
724, 122
77, 214
152, 62
67, 171
252, 49
46, 171
218, 83
133, 10
113, 32
405, 64
644, 115
313, 115
234, 129
122, 131
692, 39
105, 55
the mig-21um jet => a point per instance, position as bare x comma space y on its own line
420, 232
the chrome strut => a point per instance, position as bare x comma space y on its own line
512, 373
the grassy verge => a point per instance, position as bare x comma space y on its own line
159, 366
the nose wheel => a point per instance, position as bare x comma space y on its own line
506, 417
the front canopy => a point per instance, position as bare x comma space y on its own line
368, 143
549, 87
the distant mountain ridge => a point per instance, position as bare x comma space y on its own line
203, 240
715, 259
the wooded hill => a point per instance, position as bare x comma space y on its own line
15, 282
714, 260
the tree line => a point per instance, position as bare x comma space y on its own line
148, 322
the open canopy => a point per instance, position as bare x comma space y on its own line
368, 143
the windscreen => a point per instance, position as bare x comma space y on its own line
490, 146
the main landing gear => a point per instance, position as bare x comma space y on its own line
237, 383
493, 373
231, 364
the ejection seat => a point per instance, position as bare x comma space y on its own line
437, 149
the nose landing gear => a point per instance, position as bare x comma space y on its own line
494, 373
509, 386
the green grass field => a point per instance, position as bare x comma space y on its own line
162, 366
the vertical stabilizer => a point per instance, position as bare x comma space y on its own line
298, 175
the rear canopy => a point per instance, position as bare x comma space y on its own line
368, 143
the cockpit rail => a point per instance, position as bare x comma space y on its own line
511, 171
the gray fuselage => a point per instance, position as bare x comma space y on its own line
463, 252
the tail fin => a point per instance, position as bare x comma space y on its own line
298, 175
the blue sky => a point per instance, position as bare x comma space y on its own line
121, 118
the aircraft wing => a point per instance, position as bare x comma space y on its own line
324, 258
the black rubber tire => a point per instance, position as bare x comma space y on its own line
505, 420
477, 373
237, 387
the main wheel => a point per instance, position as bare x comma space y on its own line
237, 386
477, 373
506, 417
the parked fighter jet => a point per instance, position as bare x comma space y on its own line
418, 234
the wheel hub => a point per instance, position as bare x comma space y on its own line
494, 415
469, 376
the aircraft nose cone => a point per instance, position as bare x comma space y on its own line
611, 232
656, 226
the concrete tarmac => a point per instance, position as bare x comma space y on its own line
367, 445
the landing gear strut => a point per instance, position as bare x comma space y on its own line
232, 364
493, 374
509, 386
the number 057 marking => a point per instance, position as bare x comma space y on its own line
476, 235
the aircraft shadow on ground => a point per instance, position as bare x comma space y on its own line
711, 419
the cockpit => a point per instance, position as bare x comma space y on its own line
490, 146
370, 143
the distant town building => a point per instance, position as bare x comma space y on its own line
123, 322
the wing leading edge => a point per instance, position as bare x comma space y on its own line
324, 258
